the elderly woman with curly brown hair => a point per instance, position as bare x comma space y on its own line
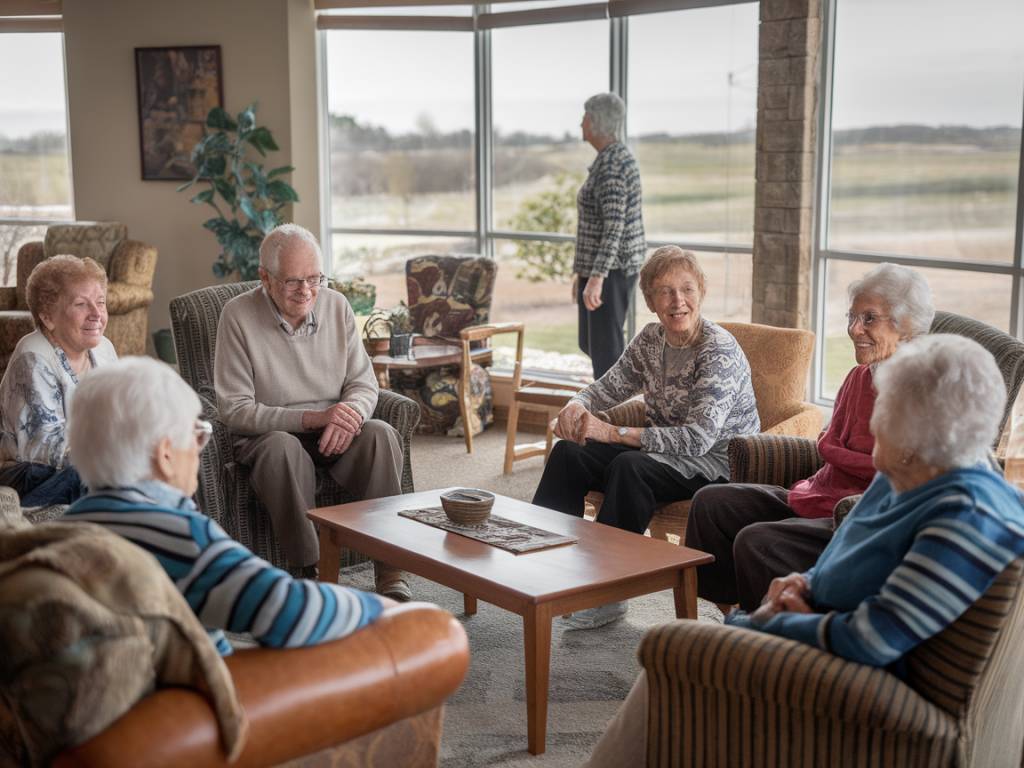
67, 297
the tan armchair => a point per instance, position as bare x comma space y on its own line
779, 361
721, 695
372, 699
130, 266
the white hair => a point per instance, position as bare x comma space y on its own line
906, 293
940, 397
120, 413
282, 238
607, 112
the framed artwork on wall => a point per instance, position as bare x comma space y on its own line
177, 87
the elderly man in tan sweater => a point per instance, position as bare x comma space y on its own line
296, 388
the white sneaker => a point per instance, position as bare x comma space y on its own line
592, 618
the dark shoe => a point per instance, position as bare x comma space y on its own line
390, 582
311, 572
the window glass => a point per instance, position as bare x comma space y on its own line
926, 127
541, 77
405, 10
692, 117
401, 137
34, 162
980, 295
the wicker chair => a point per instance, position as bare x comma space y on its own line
720, 695
224, 491
779, 360
776, 460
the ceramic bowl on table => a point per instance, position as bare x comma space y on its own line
467, 506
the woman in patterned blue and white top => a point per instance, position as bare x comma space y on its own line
68, 300
695, 381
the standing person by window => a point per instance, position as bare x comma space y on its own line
609, 234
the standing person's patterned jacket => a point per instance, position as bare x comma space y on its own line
610, 228
696, 398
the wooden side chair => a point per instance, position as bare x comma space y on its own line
779, 361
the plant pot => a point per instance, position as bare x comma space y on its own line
377, 346
401, 343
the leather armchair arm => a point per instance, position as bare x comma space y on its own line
298, 701
124, 297
801, 420
8, 298
132, 262
749, 668
402, 414
772, 459
631, 413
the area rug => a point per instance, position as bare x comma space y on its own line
591, 673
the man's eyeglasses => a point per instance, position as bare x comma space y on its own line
866, 319
204, 431
297, 283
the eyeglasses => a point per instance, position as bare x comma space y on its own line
668, 292
297, 283
866, 319
204, 431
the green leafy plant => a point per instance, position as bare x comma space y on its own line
247, 198
552, 210
383, 323
360, 294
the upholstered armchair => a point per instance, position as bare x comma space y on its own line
224, 491
779, 361
720, 695
777, 460
372, 699
445, 295
130, 266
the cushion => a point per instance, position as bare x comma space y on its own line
95, 239
90, 624
448, 293
437, 394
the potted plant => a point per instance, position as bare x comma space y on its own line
248, 200
360, 294
388, 330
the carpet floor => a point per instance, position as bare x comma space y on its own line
591, 670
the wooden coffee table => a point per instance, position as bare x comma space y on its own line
604, 566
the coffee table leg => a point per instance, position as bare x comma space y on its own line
537, 637
330, 557
685, 593
468, 605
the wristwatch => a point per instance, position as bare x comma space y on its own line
623, 431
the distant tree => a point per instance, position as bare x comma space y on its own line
552, 210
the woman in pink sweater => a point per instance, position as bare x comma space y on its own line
758, 532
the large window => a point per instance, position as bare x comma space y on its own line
35, 173
922, 157
477, 147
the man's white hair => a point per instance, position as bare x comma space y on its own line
906, 293
120, 412
940, 397
282, 238
607, 111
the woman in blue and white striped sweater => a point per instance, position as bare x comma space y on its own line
134, 429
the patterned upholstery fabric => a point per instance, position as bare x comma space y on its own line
779, 360
97, 240
445, 295
721, 695
224, 492
130, 269
761, 459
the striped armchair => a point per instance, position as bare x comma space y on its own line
725, 696
224, 491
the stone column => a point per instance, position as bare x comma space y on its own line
787, 98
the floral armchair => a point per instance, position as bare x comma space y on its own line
130, 266
445, 295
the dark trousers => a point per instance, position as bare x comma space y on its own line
755, 536
600, 332
40, 485
633, 483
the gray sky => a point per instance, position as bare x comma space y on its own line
924, 61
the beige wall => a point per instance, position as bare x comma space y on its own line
268, 55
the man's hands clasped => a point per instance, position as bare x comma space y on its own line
340, 423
